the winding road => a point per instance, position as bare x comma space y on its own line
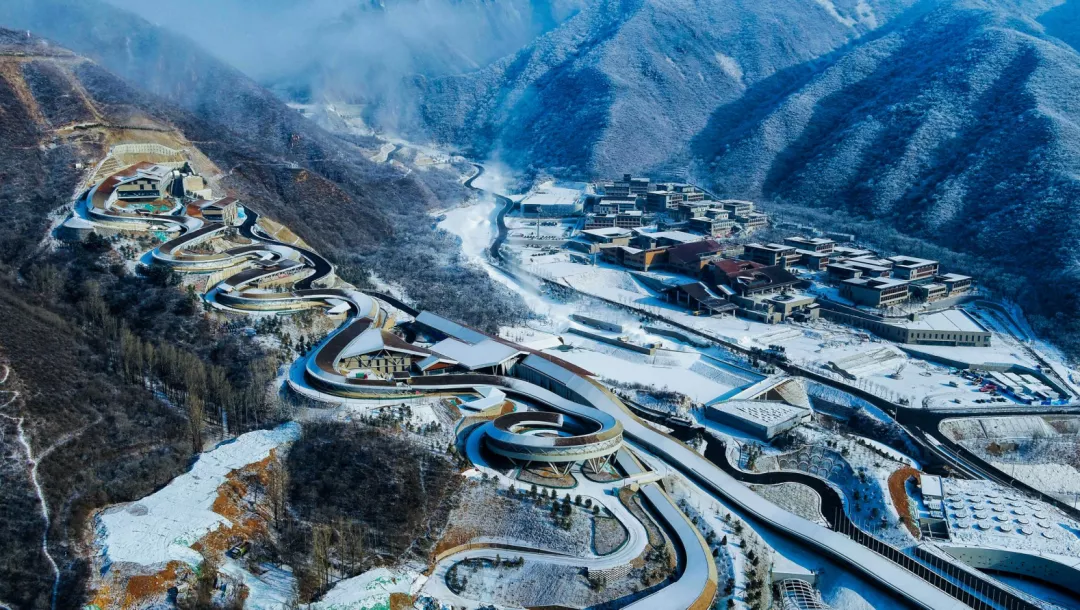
695, 582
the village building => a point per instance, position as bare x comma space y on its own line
624, 220
691, 258
627, 188
819, 245
749, 223
713, 226
662, 201
956, 284
771, 254
615, 206
736, 207
148, 182
551, 201
928, 293
913, 269
875, 292
699, 298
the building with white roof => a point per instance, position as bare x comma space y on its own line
469, 348
486, 355
151, 183
995, 527
762, 418
875, 291
489, 397
913, 268
608, 235
549, 200
661, 239
381, 352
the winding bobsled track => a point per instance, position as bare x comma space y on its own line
582, 420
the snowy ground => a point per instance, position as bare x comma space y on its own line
162, 526
816, 343
474, 225
839, 587
368, 591
1042, 453
687, 372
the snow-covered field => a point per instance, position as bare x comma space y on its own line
474, 225
162, 526
1028, 448
1059, 480
368, 591
817, 343
687, 372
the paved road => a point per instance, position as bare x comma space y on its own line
500, 221
927, 423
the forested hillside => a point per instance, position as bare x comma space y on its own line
625, 84
365, 216
960, 127
85, 338
956, 122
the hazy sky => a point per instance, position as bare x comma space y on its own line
358, 43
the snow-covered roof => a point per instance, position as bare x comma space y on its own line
484, 354
761, 412
983, 514
678, 236
432, 360
608, 232
911, 261
950, 320
931, 486
953, 277
877, 283
492, 398
375, 340
450, 328
152, 172
552, 195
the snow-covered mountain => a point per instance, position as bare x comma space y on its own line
957, 122
626, 84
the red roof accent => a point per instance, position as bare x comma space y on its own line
693, 251
732, 267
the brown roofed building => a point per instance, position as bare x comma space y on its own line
725, 270
691, 258
760, 280
223, 210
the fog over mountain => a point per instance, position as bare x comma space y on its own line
359, 50
955, 120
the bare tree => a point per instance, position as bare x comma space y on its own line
322, 537
196, 414
277, 485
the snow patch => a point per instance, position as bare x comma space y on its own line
162, 526
729, 66
368, 591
